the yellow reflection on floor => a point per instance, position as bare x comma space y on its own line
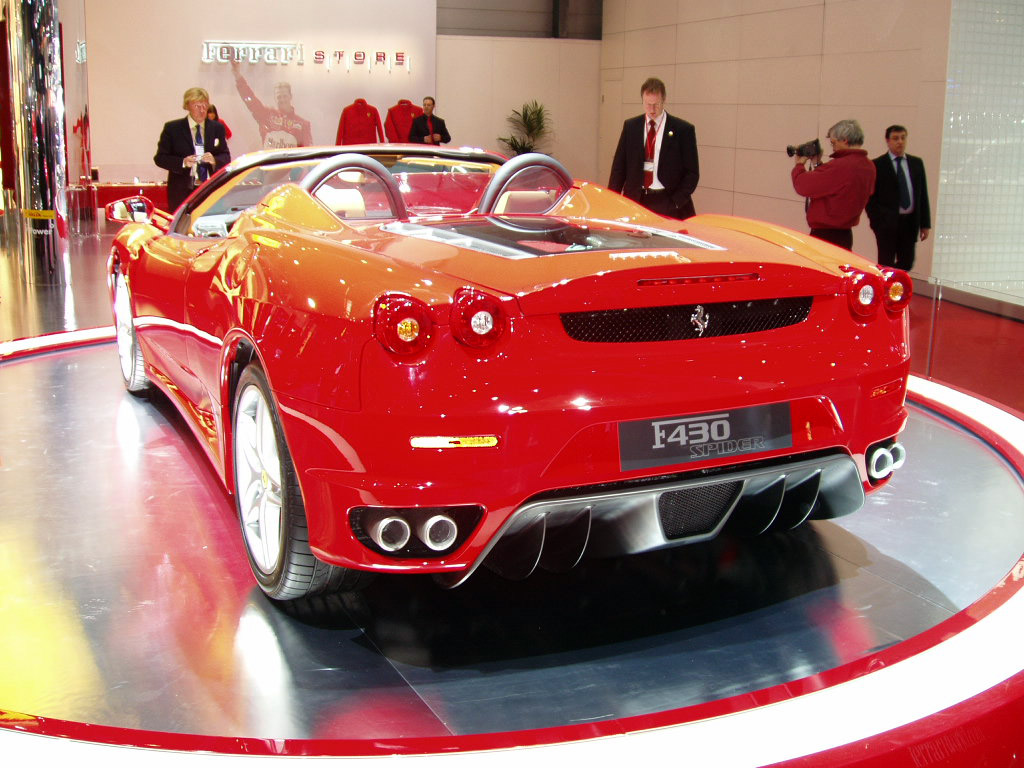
46, 666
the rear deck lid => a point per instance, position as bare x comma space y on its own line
559, 265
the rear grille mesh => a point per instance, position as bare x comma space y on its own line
684, 321
696, 511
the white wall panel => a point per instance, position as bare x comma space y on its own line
707, 82
712, 40
784, 33
613, 48
787, 80
772, 127
700, 10
482, 79
613, 16
717, 122
868, 78
877, 25
760, 6
652, 46
645, 14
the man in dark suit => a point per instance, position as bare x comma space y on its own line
898, 210
655, 162
191, 149
428, 128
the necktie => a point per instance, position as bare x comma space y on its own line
652, 135
430, 131
202, 171
901, 182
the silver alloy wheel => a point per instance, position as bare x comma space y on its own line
124, 327
258, 479
129, 352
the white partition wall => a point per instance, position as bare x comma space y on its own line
143, 58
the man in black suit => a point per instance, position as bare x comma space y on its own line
191, 149
428, 128
656, 160
898, 209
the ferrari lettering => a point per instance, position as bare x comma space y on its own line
691, 431
225, 51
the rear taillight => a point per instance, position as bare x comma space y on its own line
897, 290
402, 324
864, 291
477, 318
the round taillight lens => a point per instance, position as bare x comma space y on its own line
477, 318
402, 324
899, 287
864, 292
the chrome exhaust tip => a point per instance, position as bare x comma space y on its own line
899, 455
438, 532
390, 533
880, 463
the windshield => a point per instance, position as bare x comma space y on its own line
429, 186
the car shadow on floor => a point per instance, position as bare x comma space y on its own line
414, 621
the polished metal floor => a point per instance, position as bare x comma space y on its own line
28, 310
126, 600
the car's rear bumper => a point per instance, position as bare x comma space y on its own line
556, 427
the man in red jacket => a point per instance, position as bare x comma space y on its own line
838, 190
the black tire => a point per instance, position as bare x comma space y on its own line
133, 365
269, 501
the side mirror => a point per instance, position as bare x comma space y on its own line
131, 209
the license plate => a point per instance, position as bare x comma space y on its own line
704, 436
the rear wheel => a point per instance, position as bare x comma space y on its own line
133, 365
269, 501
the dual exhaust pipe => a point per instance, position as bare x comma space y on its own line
883, 460
393, 533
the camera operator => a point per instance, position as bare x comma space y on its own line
838, 190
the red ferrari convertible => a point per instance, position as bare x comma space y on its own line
418, 360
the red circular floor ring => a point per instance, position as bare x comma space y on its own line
952, 695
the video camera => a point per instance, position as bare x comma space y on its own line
807, 149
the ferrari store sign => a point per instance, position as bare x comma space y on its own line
254, 52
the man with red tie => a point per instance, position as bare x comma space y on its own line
655, 161
428, 128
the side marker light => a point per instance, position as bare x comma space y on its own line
467, 441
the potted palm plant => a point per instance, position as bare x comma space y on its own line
530, 125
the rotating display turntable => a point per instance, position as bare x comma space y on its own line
128, 614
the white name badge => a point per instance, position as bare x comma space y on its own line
648, 166
199, 150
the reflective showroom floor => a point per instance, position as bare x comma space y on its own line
126, 599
